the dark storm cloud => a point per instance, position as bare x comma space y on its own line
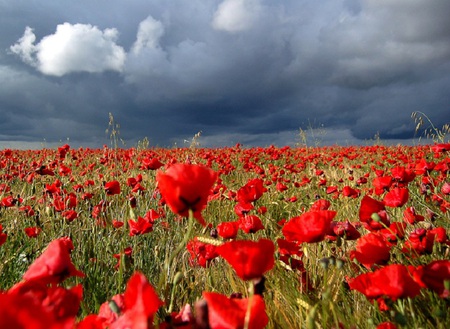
248, 71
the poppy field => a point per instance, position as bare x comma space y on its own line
324, 237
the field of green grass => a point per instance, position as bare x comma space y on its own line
359, 237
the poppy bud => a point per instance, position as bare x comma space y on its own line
114, 307
339, 263
375, 217
324, 263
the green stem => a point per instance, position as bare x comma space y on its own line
183, 243
170, 260
251, 291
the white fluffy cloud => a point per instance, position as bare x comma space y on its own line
148, 35
236, 15
25, 47
72, 48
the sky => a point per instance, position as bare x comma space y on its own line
253, 72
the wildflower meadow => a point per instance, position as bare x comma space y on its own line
235, 237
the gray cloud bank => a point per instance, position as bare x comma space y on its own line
247, 71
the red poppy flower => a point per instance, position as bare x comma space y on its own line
382, 184
289, 248
350, 192
421, 241
372, 214
19, 311
139, 227
112, 188
152, 215
309, 227
224, 312
107, 315
249, 259
87, 196
331, 189
387, 325
53, 188
320, 204
445, 189
8, 201
32, 232
343, 229
131, 182
64, 170
228, 230
439, 234
3, 236
43, 170
180, 320
410, 216
54, 265
70, 215
281, 187
127, 253
394, 232
434, 275
371, 249
250, 224
361, 181
251, 191
138, 188
392, 281
61, 303
141, 302
4, 188
201, 253
290, 254
262, 210
92, 321
27, 210
99, 210
403, 175
186, 187
423, 167
396, 197
242, 209
305, 181
62, 150
440, 148
151, 164
58, 203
